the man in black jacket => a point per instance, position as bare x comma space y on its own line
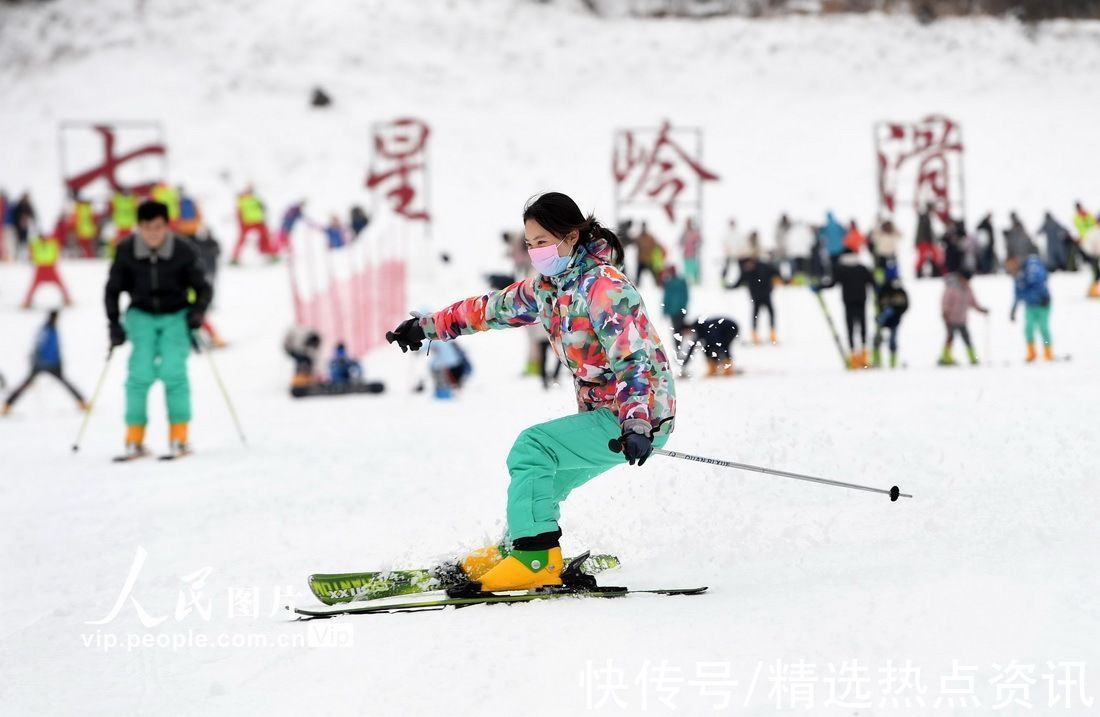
760, 278
168, 296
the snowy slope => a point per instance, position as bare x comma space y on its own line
992, 561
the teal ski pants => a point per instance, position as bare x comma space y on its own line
160, 345
550, 460
1037, 318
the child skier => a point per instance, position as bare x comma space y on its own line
715, 334
302, 344
1032, 291
600, 329
958, 299
46, 359
759, 277
45, 252
158, 270
892, 304
342, 368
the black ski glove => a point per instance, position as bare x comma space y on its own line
637, 447
636, 443
407, 335
117, 334
194, 320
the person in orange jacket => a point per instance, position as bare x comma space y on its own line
854, 240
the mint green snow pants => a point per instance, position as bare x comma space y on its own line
1037, 318
550, 460
160, 345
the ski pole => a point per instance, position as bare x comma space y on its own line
221, 386
616, 446
95, 399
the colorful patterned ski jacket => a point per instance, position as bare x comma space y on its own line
598, 327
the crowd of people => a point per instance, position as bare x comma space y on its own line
864, 266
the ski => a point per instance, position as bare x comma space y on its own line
330, 389
127, 459
337, 588
484, 599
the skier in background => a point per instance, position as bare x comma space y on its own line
358, 220
286, 226
759, 277
450, 367
929, 255
675, 305
45, 253
600, 327
735, 248
893, 302
958, 299
1018, 242
800, 242
885, 240
342, 368
854, 278
1032, 291
302, 344
854, 240
715, 335
833, 232
1057, 239
158, 270
190, 216
651, 256
23, 222
1088, 244
46, 358
691, 242
252, 218
123, 208
85, 226
987, 247
169, 196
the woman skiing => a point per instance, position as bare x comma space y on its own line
599, 328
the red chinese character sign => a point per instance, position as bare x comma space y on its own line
98, 159
661, 168
399, 166
934, 148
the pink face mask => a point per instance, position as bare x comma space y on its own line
546, 261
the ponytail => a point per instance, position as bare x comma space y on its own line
594, 231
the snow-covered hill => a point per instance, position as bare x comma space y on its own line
990, 565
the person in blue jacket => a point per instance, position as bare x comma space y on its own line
46, 358
833, 232
343, 369
1032, 291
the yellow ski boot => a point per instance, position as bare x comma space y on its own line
1031, 354
524, 570
1048, 352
